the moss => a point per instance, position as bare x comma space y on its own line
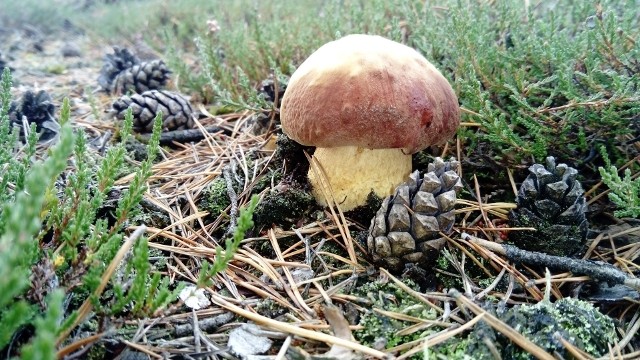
270, 309
273, 176
574, 320
451, 349
284, 206
381, 330
214, 198
97, 351
136, 149
364, 213
290, 154
157, 218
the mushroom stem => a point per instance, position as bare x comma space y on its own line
351, 173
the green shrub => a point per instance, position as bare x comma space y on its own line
625, 191
52, 244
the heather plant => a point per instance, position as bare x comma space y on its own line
625, 190
53, 244
557, 78
541, 80
224, 256
20, 222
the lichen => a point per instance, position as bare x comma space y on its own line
381, 331
574, 320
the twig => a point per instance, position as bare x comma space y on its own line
594, 269
180, 136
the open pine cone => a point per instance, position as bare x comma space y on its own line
177, 113
36, 108
124, 73
406, 228
552, 201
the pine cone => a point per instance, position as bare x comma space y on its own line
176, 110
552, 201
114, 64
407, 225
148, 75
36, 108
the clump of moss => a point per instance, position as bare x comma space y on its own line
215, 198
270, 309
291, 155
379, 331
136, 149
151, 216
364, 213
454, 349
574, 320
284, 205
272, 176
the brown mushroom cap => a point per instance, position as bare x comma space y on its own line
369, 92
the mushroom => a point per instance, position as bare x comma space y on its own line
367, 103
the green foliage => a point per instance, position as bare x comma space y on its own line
388, 296
20, 222
550, 79
625, 191
531, 78
245, 223
574, 320
43, 346
16, 167
47, 15
46, 218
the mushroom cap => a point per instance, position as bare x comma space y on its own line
369, 92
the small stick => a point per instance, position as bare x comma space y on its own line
180, 136
594, 269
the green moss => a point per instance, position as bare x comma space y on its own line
214, 198
451, 349
151, 217
364, 213
270, 309
284, 206
273, 176
574, 320
379, 329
